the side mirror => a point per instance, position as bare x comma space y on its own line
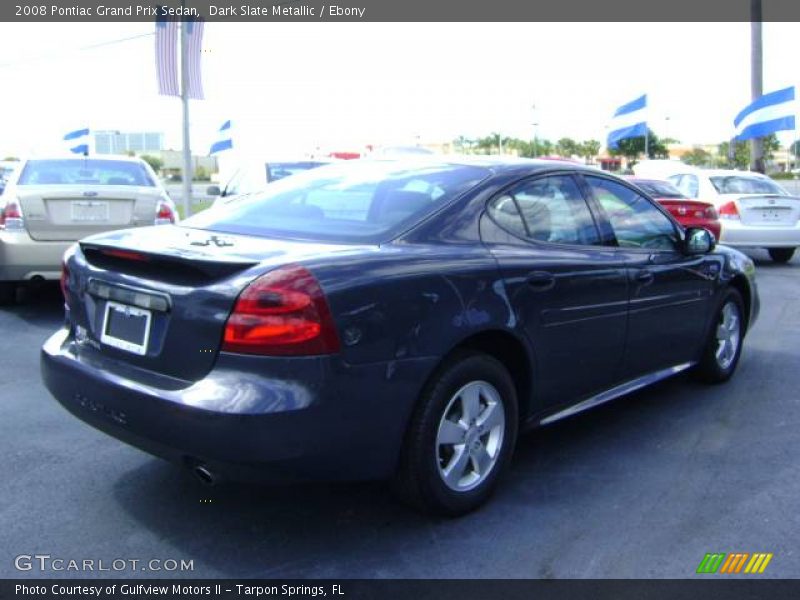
213, 190
698, 241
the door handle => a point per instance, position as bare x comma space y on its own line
644, 276
541, 280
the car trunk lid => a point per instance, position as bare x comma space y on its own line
765, 210
72, 212
180, 284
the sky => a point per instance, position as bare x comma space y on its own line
292, 87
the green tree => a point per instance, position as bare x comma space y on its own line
11, 159
566, 147
771, 145
589, 149
154, 161
631, 148
697, 157
737, 156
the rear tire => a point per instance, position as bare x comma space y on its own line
781, 255
8, 292
724, 343
461, 436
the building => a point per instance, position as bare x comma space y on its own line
137, 142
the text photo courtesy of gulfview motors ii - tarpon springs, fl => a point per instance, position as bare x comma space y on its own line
356, 301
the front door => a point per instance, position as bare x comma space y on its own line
670, 292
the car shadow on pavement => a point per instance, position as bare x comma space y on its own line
329, 530
40, 304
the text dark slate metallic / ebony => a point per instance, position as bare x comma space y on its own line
391, 319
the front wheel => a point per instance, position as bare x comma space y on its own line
781, 255
461, 436
724, 343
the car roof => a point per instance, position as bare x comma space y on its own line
114, 157
732, 172
496, 163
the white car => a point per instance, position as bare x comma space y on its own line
50, 203
754, 211
254, 177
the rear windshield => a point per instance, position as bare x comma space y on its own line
358, 201
741, 184
276, 171
659, 189
84, 170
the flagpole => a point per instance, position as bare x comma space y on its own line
187, 152
646, 141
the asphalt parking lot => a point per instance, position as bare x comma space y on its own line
643, 487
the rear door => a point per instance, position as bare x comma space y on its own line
567, 290
670, 293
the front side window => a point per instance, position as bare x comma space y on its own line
71, 171
636, 222
546, 209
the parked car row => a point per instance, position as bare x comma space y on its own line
754, 211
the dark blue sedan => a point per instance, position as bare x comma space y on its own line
391, 319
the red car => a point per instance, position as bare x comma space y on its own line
688, 212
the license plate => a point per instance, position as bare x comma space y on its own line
89, 210
771, 214
126, 327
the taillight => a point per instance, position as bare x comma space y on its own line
164, 214
729, 211
65, 281
11, 215
711, 213
282, 313
125, 254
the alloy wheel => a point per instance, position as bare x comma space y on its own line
470, 436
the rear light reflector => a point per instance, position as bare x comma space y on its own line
11, 215
729, 211
282, 313
126, 254
164, 214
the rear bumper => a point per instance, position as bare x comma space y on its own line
736, 234
23, 258
318, 420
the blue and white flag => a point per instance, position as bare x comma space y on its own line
224, 141
629, 122
770, 113
78, 141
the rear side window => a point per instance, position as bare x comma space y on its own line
350, 202
659, 189
742, 184
636, 222
84, 171
547, 209
279, 170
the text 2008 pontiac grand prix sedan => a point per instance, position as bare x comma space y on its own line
399, 319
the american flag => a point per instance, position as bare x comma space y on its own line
194, 49
167, 56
